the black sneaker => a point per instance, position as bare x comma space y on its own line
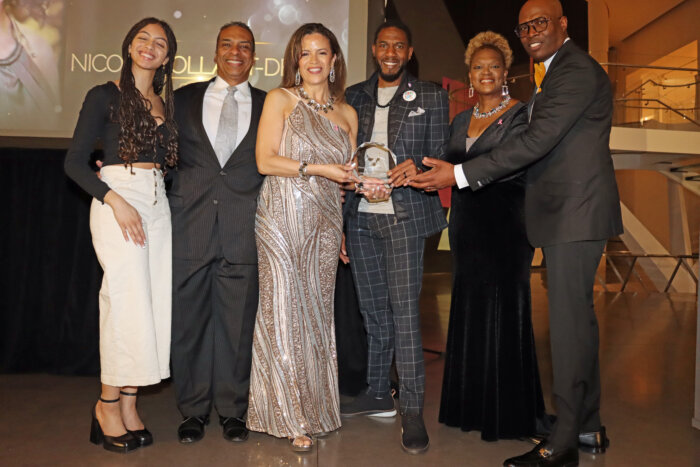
414, 438
365, 404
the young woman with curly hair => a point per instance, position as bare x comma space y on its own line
130, 226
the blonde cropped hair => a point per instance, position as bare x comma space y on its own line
491, 40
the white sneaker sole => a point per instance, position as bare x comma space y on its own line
390, 413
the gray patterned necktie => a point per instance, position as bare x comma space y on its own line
228, 127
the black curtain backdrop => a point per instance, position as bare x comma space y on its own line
49, 276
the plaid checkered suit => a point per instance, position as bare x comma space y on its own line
386, 251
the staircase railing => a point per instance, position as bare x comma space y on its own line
650, 96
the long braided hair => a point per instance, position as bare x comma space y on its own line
138, 129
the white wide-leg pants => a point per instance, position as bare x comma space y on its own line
135, 297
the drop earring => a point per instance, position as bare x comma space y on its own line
297, 79
331, 76
471, 91
504, 90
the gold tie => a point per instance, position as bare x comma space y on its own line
540, 70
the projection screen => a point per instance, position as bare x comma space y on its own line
64, 47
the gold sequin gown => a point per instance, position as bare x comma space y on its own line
298, 230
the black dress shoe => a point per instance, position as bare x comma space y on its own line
234, 429
191, 429
545, 456
593, 442
414, 438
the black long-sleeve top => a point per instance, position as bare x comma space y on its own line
95, 123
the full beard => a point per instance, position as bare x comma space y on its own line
391, 77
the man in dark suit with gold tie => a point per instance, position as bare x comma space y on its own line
571, 208
215, 274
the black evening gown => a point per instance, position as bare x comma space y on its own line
491, 381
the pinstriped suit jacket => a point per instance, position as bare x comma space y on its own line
203, 194
410, 136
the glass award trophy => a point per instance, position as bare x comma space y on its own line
374, 160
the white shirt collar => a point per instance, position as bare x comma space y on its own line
549, 60
220, 84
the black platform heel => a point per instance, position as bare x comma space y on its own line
144, 437
122, 444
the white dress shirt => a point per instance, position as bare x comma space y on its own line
460, 178
213, 102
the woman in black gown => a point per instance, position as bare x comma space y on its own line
491, 382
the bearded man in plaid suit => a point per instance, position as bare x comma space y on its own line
386, 240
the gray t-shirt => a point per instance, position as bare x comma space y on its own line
380, 134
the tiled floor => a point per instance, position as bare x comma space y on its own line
647, 359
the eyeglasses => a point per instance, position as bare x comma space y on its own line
538, 24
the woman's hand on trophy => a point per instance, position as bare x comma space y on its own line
339, 173
399, 175
352, 184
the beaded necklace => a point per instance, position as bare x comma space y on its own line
477, 114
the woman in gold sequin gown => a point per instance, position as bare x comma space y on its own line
305, 141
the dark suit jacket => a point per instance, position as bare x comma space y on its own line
423, 134
512, 122
571, 191
203, 195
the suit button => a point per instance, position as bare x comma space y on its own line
216, 201
222, 173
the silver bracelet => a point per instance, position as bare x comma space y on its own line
302, 170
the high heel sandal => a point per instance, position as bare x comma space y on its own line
143, 436
302, 448
122, 443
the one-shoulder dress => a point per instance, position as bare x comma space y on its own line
298, 230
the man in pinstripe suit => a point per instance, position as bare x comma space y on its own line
385, 241
215, 275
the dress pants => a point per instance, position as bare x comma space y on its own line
214, 307
387, 265
135, 296
571, 269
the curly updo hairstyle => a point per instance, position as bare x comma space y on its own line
489, 40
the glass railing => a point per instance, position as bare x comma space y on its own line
657, 97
